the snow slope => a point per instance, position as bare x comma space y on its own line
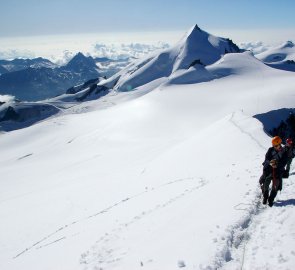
158, 178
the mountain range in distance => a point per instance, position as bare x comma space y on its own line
39, 78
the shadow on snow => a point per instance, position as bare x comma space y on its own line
281, 203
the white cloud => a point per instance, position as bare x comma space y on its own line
6, 98
126, 50
63, 58
256, 47
60, 48
12, 54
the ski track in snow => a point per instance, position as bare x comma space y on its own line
62, 238
25, 156
102, 254
39, 245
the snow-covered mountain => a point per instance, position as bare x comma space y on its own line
164, 177
19, 64
81, 64
281, 57
39, 82
196, 47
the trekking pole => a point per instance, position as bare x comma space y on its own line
274, 180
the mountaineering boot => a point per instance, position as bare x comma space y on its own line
285, 174
270, 202
265, 196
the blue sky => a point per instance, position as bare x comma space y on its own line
39, 17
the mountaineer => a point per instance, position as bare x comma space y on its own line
273, 169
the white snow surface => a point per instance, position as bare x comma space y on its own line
164, 177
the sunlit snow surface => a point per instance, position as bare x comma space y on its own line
164, 177
280, 57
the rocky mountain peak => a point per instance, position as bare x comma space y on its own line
80, 61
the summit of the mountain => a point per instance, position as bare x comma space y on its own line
288, 44
80, 62
199, 44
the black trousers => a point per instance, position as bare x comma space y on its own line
265, 182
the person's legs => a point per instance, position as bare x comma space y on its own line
265, 189
272, 196
274, 191
280, 185
288, 166
261, 182
262, 179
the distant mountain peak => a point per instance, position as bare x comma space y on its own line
80, 61
288, 44
194, 31
79, 56
196, 28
